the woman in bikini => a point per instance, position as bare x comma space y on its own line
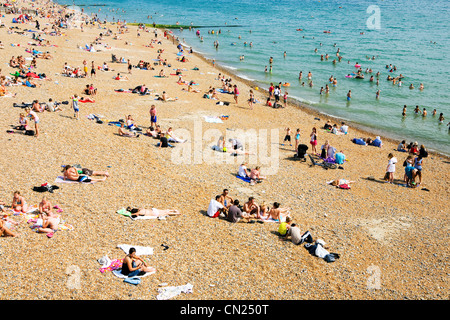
153, 212
18, 203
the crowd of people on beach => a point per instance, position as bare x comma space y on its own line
223, 205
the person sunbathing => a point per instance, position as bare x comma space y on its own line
45, 207
277, 213
121, 78
124, 133
251, 208
18, 203
153, 212
134, 265
172, 138
5, 231
50, 224
255, 175
165, 97
86, 99
341, 182
71, 173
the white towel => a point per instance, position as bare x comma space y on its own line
213, 119
60, 179
170, 292
140, 251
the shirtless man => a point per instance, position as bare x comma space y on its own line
252, 208
132, 264
124, 133
277, 213
71, 173
225, 199
19, 203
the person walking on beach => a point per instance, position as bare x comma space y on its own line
235, 93
76, 109
390, 169
93, 69
251, 100
153, 117
313, 140
35, 118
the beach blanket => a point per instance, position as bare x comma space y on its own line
166, 293
140, 251
119, 274
60, 179
30, 210
223, 91
213, 119
246, 179
113, 265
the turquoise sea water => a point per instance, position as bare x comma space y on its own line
412, 35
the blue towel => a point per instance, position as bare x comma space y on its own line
134, 281
246, 179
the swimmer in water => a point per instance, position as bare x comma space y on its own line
441, 118
411, 86
349, 95
424, 112
421, 87
377, 96
434, 112
417, 110
404, 111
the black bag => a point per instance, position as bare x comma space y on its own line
29, 132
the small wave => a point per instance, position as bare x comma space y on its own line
309, 102
245, 77
229, 67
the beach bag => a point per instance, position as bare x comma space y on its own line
344, 186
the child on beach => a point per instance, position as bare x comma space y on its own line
75, 107
251, 100
287, 137
297, 139
313, 140
390, 169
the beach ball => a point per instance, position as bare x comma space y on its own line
256, 88
225, 149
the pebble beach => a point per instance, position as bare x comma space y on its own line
392, 240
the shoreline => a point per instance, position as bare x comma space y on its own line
315, 112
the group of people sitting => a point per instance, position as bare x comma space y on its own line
225, 206
72, 72
332, 128
368, 141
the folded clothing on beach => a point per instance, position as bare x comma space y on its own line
166, 293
